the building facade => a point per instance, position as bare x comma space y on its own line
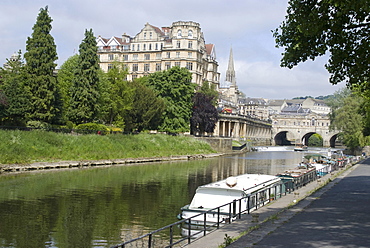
156, 49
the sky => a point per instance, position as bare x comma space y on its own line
243, 25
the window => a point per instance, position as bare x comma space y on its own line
144, 35
144, 47
168, 55
190, 55
146, 56
158, 55
146, 67
134, 76
190, 34
156, 46
179, 33
134, 57
150, 35
189, 66
158, 67
110, 57
178, 44
177, 64
125, 57
168, 65
135, 67
150, 47
177, 54
133, 47
190, 44
138, 47
110, 66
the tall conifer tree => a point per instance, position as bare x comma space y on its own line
85, 87
40, 81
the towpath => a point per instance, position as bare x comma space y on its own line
337, 215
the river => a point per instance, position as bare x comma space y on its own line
104, 206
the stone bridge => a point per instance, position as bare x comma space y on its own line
292, 129
283, 130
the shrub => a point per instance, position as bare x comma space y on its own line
89, 128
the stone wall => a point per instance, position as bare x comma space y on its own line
223, 145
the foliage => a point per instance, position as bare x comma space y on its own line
65, 79
147, 108
92, 128
40, 83
120, 95
14, 102
204, 116
342, 28
348, 116
31, 146
315, 140
84, 107
175, 87
210, 91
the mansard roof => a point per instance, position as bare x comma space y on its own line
210, 49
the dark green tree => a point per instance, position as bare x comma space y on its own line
204, 116
15, 100
177, 90
40, 82
315, 140
84, 105
147, 108
340, 28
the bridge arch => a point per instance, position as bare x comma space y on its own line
284, 138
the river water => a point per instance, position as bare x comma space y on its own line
104, 206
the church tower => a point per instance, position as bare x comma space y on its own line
230, 73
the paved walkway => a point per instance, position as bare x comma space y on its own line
337, 215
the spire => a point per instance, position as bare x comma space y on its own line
230, 73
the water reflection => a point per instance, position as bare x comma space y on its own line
101, 207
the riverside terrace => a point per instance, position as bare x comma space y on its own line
264, 210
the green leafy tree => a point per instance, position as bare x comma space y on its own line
147, 108
349, 119
120, 95
40, 83
15, 102
84, 105
315, 140
338, 27
65, 79
209, 90
175, 87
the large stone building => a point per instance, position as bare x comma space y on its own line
156, 49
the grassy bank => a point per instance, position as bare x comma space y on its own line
17, 147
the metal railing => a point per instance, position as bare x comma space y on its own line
167, 236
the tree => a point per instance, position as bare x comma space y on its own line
209, 90
65, 79
40, 83
84, 105
340, 27
205, 115
315, 140
175, 87
120, 95
349, 119
15, 102
147, 108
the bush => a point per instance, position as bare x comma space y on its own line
89, 128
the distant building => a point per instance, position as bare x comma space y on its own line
155, 49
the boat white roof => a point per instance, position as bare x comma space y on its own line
243, 182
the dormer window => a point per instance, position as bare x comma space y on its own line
190, 34
144, 35
150, 35
179, 33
